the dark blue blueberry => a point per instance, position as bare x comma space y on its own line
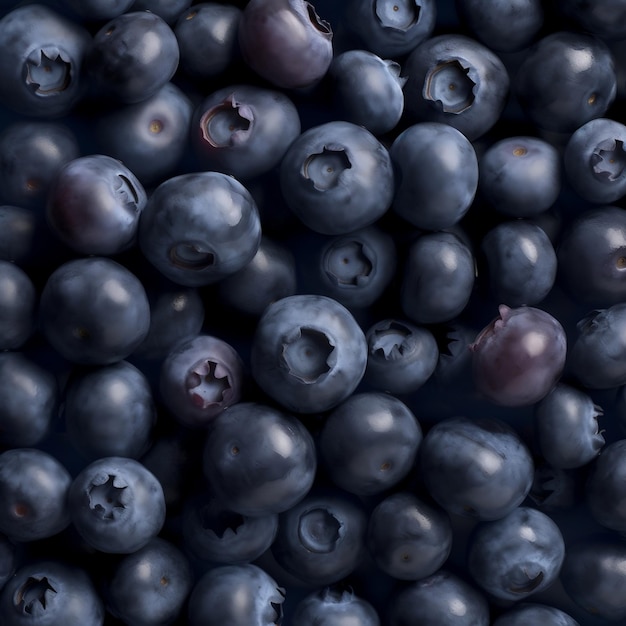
408, 538
285, 42
478, 468
43, 54
18, 305
269, 276
94, 204
604, 18
321, 540
565, 80
110, 411
502, 26
238, 595
116, 505
21, 230
51, 592
133, 56
258, 460
436, 175
520, 176
94, 10
337, 164
200, 378
390, 28
190, 245
438, 279
518, 358
566, 427
8, 560
94, 311
207, 35
34, 488
521, 263
243, 130
553, 489
169, 10
401, 357
594, 568
31, 153
533, 613
596, 356
150, 137
605, 493
455, 80
369, 443
592, 256
595, 160
308, 353
443, 598
335, 606
150, 586
367, 90
516, 556
215, 535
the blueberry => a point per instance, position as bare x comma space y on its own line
169, 10
116, 505
308, 353
18, 306
335, 606
93, 10
8, 560
534, 613
337, 164
603, 18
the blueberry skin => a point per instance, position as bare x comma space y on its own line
150, 586
43, 57
133, 56
110, 411
477, 468
51, 592
18, 305
516, 556
31, 153
521, 263
258, 460
369, 443
308, 353
28, 400
207, 35
438, 280
480, 78
408, 538
389, 31
518, 358
594, 568
94, 10
565, 80
367, 90
596, 357
270, 276
534, 613
285, 42
214, 534
595, 159
34, 488
337, 164
83, 301
169, 10
401, 357
605, 494
150, 137
442, 598
8, 560
332, 606
321, 540
604, 18
566, 427
436, 175
117, 505
94, 204
200, 378
190, 245
520, 176
592, 254
244, 130
240, 595
502, 26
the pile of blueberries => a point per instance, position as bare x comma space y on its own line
312, 315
